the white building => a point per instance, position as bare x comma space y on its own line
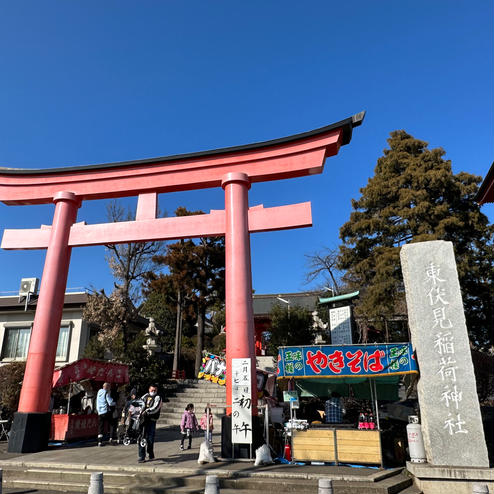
16, 324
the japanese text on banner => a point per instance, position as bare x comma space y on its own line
241, 400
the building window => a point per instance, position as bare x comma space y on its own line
16, 343
63, 343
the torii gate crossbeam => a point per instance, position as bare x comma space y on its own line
234, 169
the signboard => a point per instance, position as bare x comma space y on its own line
346, 360
96, 370
292, 398
290, 395
241, 401
340, 322
213, 369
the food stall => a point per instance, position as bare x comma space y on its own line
91, 374
368, 372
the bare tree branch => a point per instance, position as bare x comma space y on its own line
129, 262
323, 265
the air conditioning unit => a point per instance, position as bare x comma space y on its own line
28, 287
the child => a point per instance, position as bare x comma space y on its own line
187, 425
204, 424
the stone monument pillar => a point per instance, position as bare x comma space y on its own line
449, 406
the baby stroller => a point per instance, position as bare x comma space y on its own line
135, 429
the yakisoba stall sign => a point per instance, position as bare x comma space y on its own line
213, 369
346, 360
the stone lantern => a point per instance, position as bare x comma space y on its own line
152, 333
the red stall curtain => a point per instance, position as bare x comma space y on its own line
97, 370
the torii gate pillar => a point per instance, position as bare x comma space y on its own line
238, 279
34, 401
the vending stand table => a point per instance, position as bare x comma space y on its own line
372, 371
69, 426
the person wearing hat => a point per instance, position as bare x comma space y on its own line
132, 397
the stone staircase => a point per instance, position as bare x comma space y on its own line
119, 481
200, 393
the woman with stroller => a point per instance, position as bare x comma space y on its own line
188, 425
131, 419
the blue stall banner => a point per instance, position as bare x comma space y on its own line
346, 360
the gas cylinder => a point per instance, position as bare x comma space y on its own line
288, 452
415, 440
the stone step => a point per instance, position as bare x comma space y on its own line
247, 484
218, 390
413, 489
69, 475
201, 394
177, 408
61, 480
178, 416
199, 412
194, 398
197, 402
198, 408
158, 483
175, 423
200, 383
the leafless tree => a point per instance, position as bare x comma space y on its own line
129, 262
322, 265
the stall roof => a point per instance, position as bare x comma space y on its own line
97, 370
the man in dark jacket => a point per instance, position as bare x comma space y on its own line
151, 413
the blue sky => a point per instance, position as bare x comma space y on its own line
94, 82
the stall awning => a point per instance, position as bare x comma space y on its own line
338, 361
356, 387
97, 370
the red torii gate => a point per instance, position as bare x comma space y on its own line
234, 169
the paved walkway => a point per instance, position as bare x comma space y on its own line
88, 456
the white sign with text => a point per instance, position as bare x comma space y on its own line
341, 326
241, 400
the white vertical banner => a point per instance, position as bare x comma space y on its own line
340, 322
241, 400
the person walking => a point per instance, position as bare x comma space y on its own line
203, 424
151, 412
188, 424
105, 406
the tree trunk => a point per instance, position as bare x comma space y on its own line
178, 334
200, 338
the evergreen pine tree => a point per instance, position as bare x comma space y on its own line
414, 197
